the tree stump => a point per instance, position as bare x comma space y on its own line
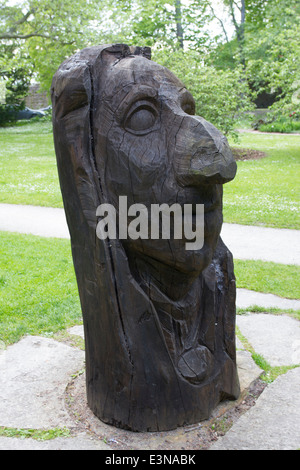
159, 320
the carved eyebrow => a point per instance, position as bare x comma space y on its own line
138, 93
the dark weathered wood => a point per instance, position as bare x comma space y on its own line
159, 320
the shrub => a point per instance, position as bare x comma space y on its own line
272, 122
221, 96
283, 126
17, 80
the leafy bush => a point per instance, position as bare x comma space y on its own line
281, 125
17, 81
261, 120
221, 96
272, 122
7, 114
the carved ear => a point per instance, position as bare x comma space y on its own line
71, 89
71, 100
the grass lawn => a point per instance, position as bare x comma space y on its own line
38, 290
264, 192
28, 173
273, 278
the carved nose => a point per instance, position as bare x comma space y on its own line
202, 154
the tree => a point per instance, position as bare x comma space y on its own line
15, 76
245, 16
178, 19
273, 57
267, 47
16, 83
46, 31
239, 25
158, 23
53, 20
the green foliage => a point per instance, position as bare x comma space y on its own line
223, 57
45, 32
278, 65
17, 82
15, 75
155, 23
263, 54
221, 96
275, 122
270, 51
281, 125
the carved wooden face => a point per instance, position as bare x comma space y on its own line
154, 150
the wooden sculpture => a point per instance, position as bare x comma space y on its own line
159, 320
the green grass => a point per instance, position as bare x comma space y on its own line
28, 166
267, 191
38, 291
272, 310
278, 279
264, 192
37, 434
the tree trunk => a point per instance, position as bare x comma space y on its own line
179, 29
239, 27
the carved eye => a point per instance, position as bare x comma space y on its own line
141, 118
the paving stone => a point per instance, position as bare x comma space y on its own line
76, 330
33, 376
248, 371
80, 442
275, 337
273, 423
246, 298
